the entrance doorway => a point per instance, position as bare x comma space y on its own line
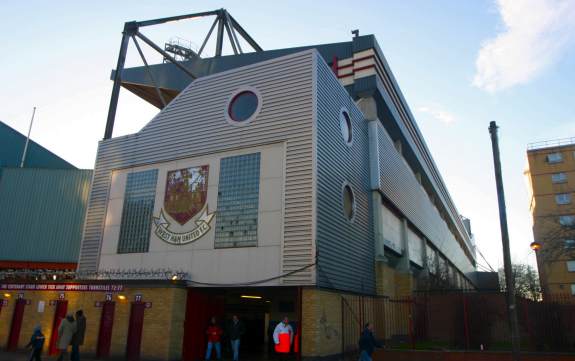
135, 327
16, 324
59, 314
105, 332
259, 309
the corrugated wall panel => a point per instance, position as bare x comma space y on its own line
42, 212
345, 250
398, 184
193, 124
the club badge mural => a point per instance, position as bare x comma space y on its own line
185, 202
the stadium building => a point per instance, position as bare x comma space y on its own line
271, 183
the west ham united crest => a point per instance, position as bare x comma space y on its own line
185, 202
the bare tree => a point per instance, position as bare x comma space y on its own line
525, 279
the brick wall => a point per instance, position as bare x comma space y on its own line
163, 322
321, 327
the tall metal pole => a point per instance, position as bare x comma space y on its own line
509, 281
128, 31
27, 140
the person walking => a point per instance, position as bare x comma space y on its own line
36, 343
65, 333
283, 338
78, 338
214, 333
235, 332
367, 343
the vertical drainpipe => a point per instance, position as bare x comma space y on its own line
368, 107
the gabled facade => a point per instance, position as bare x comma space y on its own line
403, 217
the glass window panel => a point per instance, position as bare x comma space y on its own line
137, 212
238, 201
392, 230
345, 126
567, 221
563, 198
431, 260
415, 247
243, 106
559, 178
348, 202
554, 158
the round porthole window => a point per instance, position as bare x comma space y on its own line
345, 126
243, 106
348, 202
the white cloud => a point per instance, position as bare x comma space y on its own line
536, 33
438, 113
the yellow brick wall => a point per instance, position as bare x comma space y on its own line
385, 279
392, 283
163, 323
404, 283
321, 327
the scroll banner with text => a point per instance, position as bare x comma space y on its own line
60, 287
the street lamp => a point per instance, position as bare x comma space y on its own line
535, 246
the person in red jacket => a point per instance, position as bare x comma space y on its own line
214, 333
283, 338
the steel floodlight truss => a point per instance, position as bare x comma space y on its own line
223, 21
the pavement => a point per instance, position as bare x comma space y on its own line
24, 356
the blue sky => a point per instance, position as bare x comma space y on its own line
460, 64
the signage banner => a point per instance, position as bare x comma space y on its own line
60, 287
166, 235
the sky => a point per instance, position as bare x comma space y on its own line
460, 65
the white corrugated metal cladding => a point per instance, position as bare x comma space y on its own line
194, 124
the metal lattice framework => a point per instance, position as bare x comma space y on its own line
223, 21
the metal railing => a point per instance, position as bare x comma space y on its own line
551, 143
460, 321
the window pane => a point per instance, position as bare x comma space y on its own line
243, 106
431, 260
570, 243
137, 212
554, 158
563, 198
567, 220
415, 247
238, 201
573, 289
559, 178
345, 126
571, 266
392, 225
348, 202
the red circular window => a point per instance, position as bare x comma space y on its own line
243, 106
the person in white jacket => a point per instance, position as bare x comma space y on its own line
283, 337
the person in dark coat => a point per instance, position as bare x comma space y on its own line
367, 343
36, 343
78, 338
236, 330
